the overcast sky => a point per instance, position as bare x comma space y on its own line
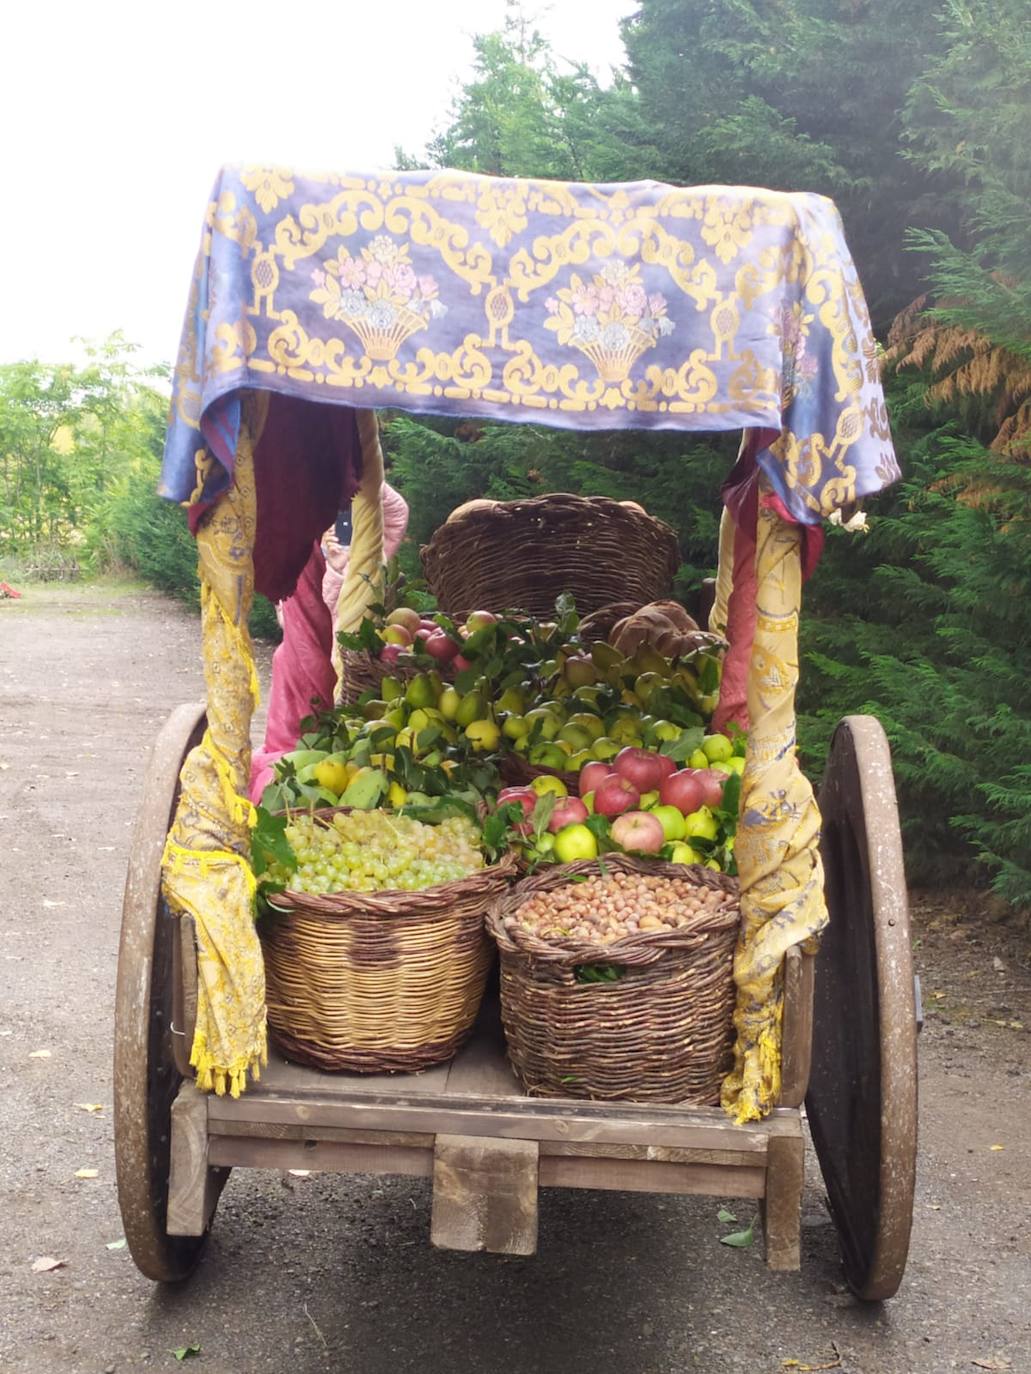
116, 117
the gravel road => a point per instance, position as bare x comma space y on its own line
333, 1273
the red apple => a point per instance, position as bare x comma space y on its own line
461, 662
682, 790
430, 625
479, 620
667, 764
396, 634
639, 766
389, 654
404, 615
713, 784
441, 646
592, 775
615, 795
525, 796
568, 811
639, 830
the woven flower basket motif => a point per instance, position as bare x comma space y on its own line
663, 1032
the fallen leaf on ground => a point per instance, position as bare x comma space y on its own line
996, 1147
185, 1351
87, 1173
48, 903
996, 1362
1016, 1025
299, 1173
115, 1244
804, 1367
740, 1240
724, 1215
89, 1106
45, 1263
39, 1054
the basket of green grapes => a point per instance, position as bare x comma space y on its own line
373, 934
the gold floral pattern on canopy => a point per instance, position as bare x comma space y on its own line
580, 306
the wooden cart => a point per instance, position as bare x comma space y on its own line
849, 1064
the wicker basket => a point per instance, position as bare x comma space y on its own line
520, 555
662, 1033
379, 982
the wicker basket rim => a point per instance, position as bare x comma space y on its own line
642, 947
438, 900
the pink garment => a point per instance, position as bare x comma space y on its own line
395, 522
302, 671
302, 666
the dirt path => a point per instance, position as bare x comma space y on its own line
330, 1273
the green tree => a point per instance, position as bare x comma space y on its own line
65, 432
799, 95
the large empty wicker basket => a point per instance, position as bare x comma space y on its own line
662, 1033
520, 555
379, 982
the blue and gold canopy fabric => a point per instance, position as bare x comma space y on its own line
635, 306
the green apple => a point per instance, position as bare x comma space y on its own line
549, 756
717, 748
516, 727
588, 801
648, 801
605, 748
625, 730
735, 763
575, 842
576, 736
673, 825
665, 730
545, 784
684, 854
546, 722
584, 720
578, 759
647, 685
698, 760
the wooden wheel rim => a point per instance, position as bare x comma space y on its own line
146, 1079
862, 1099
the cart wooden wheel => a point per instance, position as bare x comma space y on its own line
862, 1099
146, 1078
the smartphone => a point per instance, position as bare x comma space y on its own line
343, 527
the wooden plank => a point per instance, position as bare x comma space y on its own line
293, 1130
193, 1186
642, 1176
485, 1195
782, 1205
514, 1118
282, 1078
659, 1154
797, 1040
325, 1156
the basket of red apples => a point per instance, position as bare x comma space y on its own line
642, 802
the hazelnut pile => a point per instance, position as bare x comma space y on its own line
602, 910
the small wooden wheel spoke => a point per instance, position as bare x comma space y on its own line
146, 1079
862, 1102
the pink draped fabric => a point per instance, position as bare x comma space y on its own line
302, 670
302, 667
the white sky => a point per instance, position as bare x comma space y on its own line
116, 117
